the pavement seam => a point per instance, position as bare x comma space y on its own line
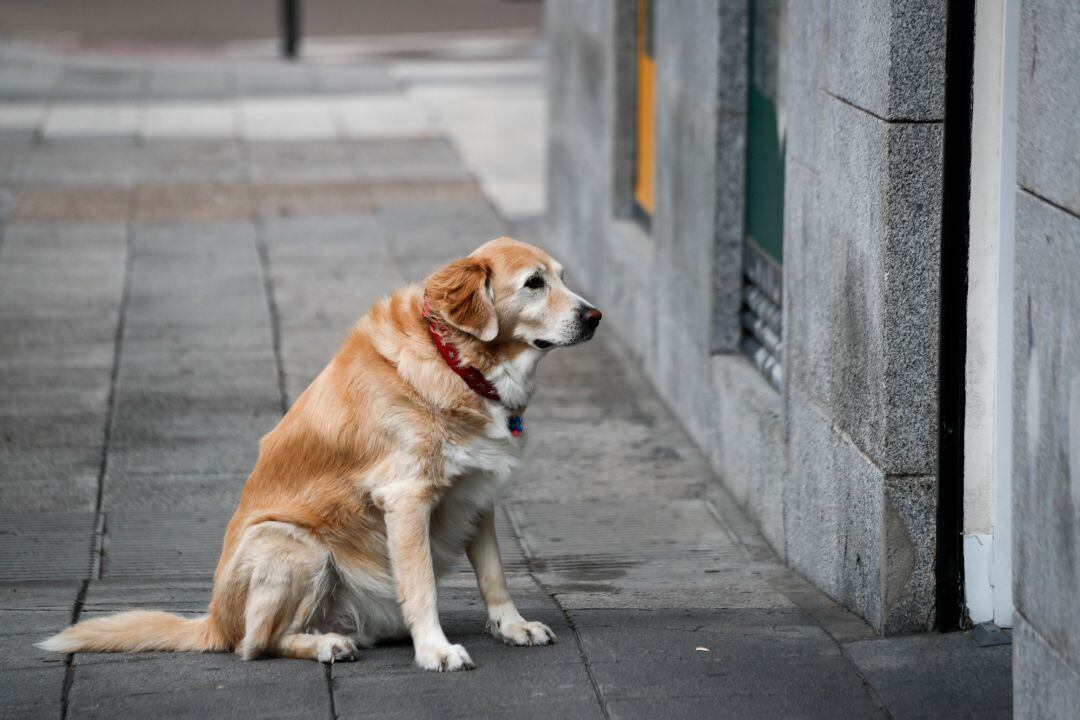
520, 538
98, 540
329, 670
870, 689
581, 651
97, 552
69, 660
711, 509
272, 307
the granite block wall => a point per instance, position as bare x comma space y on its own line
1046, 380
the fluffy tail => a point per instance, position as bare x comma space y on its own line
136, 631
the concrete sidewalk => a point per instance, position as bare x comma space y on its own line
184, 243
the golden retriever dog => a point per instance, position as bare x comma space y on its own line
382, 472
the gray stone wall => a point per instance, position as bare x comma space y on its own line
838, 468
1046, 448
862, 245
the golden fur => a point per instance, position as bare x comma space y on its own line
384, 468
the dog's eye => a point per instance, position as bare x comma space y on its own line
535, 282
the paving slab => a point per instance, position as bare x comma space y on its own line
190, 81
825, 678
422, 237
45, 546
273, 79
413, 159
384, 116
700, 635
100, 83
107, 595
92, 120
298, 161
184, 456
942, 675
738, 707
32, 692
358, 688
147, 492
181, 159
104, 162
198, 685
72, 203
163, 544
28, 613
286, 118
43, 483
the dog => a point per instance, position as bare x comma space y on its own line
382, 472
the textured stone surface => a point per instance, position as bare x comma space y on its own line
937, 675
1049, 102
888, 57
1046, 416
867, 539
283, 161
187, 161
700, 141
198, 685
833, 518
60, 293
108, 163
749, 443
910, 552
1046, 373
861, 285
1045, 685
46, 546
805, 93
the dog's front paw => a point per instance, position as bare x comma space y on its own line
333, 647
522, 632
444, 658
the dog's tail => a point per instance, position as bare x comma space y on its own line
137, 631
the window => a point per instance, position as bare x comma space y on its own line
764, 246
644, 133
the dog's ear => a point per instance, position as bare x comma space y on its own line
459, 293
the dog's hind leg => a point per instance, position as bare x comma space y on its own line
286, 572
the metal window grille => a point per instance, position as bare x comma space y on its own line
761, 315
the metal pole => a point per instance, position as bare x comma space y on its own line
290, 28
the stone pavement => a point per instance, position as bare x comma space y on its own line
185, 241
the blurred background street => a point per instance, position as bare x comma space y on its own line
189, 226
204, 22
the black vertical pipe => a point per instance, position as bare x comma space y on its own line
956, 186
290, 28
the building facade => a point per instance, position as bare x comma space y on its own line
843, 240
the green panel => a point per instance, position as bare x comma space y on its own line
765, 141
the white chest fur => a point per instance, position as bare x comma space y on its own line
478, 471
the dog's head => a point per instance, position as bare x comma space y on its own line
511, 291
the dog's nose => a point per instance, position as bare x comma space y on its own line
591, 317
